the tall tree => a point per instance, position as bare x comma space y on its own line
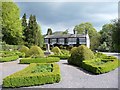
94, 35
24, 27
106, 38
49, 31
40, 37
116, 34
33, 33
11, 24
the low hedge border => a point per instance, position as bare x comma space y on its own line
10, 58
26, 78
39, 60
90, 65
60, 56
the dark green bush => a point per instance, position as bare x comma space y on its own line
80, 54
39, 60
35, 51
10, 58
56, 51
99, 66
25, 77
24, 49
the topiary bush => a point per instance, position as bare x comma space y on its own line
24, 49
80, 54
34, 52
56, 51
72, 50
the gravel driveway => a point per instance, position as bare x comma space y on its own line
72, 77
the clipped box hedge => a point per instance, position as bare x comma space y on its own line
25, 77
39, 60
10, 58
60, 56
100, 66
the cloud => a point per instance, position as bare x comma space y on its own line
64, 15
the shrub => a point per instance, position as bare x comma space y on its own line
73, 50
39, 60
10, 58
27, 77
35, 51
65, 52
80, 54
99, 66
56, 51
24, 49
60, 56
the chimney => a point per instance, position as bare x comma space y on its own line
74, 31
86, 32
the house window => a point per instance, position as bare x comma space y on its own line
72, 41
82, 40
61, 40
53, 41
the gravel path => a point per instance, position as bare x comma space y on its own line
8, 68
72, 77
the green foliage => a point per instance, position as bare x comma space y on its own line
116, 35
42, 68
9, 58
24, 49
56, 51
73, 50
100, 55
25, 77
94, 35
106, 38
11, 24
64, 54
80, 54
39, 60
32, 32
99, 66
35, 51
60, 56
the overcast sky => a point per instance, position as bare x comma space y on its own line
65, 15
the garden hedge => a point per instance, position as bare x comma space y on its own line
99, 66
60, 56
25, 77
39, 60
10, 58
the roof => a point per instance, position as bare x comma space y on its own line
65, 36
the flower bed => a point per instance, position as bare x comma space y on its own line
39, 60
33, 75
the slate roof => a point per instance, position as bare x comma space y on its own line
65, 36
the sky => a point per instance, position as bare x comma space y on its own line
60, 16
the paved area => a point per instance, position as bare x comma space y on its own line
72, 76
8, 68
